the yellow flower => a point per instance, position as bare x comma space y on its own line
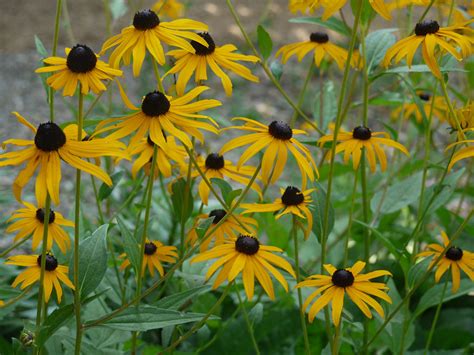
292, 201
411, 109
318, 43
170, 8
166, 154
228, 230
214, 166
247, 256
454, 258
277, 139
51, 145
155, 253
161, 114
465, 116
81, 65
463, 153
331, 6
30, 220
216, 57
52, 275
147, 33
400, 4
363, 138
358, 287
430, 35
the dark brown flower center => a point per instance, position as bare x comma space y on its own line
155, 104
292, 196
150, 248
280, 130
361, 132
51, 262
215, 161
424, 96
202, 50
319, 37
426, 27
218, 215
145, 20
40, 214
247, 244
49, 137
454, 253
81, 59
342, 278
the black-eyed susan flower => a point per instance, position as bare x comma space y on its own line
167, 154
411, 108
331, 6
277, 140
146, 34
212, 56
429, 35
247, 256
463, 153
44, 153
465, 115
363, 138
30, 221
81, 65
454, 258
228, 230
154, 254
321, 47
292, 201
161, 114
172, 9
53, 274
215, 166
358, 287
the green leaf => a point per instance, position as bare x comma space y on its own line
178, 299
179, 197
398, 195
92, 261
264, 42
40, 48
130, 245
332, 24
105, 190
443, 193
329, 110
277, 69
145, 318
419, 68
203, 226
376, 45
227, 193
432, 297
417, 271
319, 206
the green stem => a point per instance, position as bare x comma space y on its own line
159, 82
187, 189
351, 215
302, 92
435, 319
77, 223
335, 346
302, 313
248, 323
451, 110
53, 53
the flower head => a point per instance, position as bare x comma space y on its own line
81, 65
411, 108
215, 57
455, 258
363, 138
358, 287
247, 256
53, 274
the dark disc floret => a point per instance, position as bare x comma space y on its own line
454, 253
155, 104
215, 161
424, 96
145, 20
247, 244
218, 215
362, 133
202, 50
150, 248
51, 262
280, 130
292, 196
81, 59
49, 137
426, 27
40, 215
319, 37
342, 278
